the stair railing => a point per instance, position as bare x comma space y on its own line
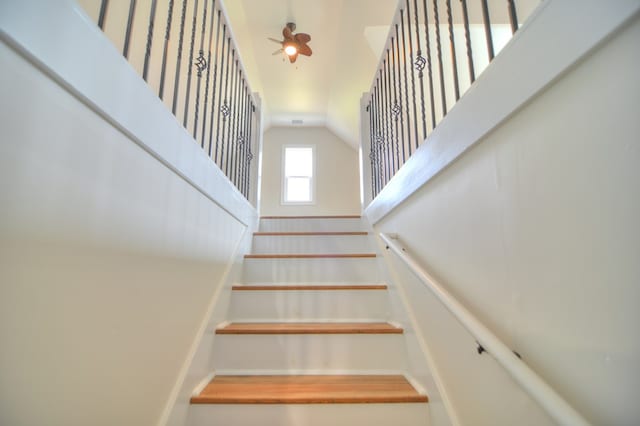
534, 385
186, 52
421, 73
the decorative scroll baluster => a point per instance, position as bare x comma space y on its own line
386, 101
193, 41
206, 85
103, 13
420, 64
398, 101
452, 42
224, 109
249, 155
395, 110
176, 82
219, 109
487, 29
393, 136
429, 67
413, 78
147, 55
201, 65
439, 52
215, 79
467, 33
406, 86
242, 133
232, 105
127, 33
165, 50
513, 18
237, 136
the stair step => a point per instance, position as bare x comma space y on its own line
310, 328
311, 224
311, 271
292, 287
308, 256
309, 234
309, 389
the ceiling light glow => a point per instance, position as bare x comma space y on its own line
290, 50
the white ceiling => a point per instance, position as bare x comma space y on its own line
323, 89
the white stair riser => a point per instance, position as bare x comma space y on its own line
405, 414
311, 244
338, 352
300, 271
308, 305
310, 225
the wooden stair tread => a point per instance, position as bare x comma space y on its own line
308, 255
309, 234
309, 328
308, 389
313, 217
252, 287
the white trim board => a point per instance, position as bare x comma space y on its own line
557, 35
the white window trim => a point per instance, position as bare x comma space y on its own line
284, 178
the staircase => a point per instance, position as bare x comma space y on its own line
308, 339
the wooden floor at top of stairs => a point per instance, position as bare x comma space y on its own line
312, 217
309, 255
309, 234
273, 287
309, 328
309, 389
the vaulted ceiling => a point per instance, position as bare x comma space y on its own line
324, 89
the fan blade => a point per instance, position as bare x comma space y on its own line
303, 49
277, 52
275, 40
302, 38
286, 33
293, 58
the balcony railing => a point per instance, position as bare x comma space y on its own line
186, 52
434, 52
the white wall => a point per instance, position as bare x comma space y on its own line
115, 230
535, 229
337, 173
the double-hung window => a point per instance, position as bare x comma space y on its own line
298, 177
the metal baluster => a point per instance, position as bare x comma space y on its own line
406, 85
390, 111
215, 77
487, 28
225, 106
193, 40
247, 141
513, 18
454, 61
383, 105
167, 34
467, 33
419, 64
206, 85
232, 105
176, 82
103, 13
224, 30
147, 55
429, 67
398, 104
249, 153
439, 51
237, 135
242, 138
395, 111
413, 78
127, 33
371, 151
377, 135
201, 65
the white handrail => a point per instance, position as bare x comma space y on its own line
537, 388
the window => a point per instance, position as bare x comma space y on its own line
298, 183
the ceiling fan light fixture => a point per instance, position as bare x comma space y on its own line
290, 49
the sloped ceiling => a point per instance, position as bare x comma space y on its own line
324, 89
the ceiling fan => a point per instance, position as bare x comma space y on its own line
293, 44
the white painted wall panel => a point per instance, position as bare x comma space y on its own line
337, 190
311, 244
535, 230
111, 249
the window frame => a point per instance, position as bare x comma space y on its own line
312, 183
